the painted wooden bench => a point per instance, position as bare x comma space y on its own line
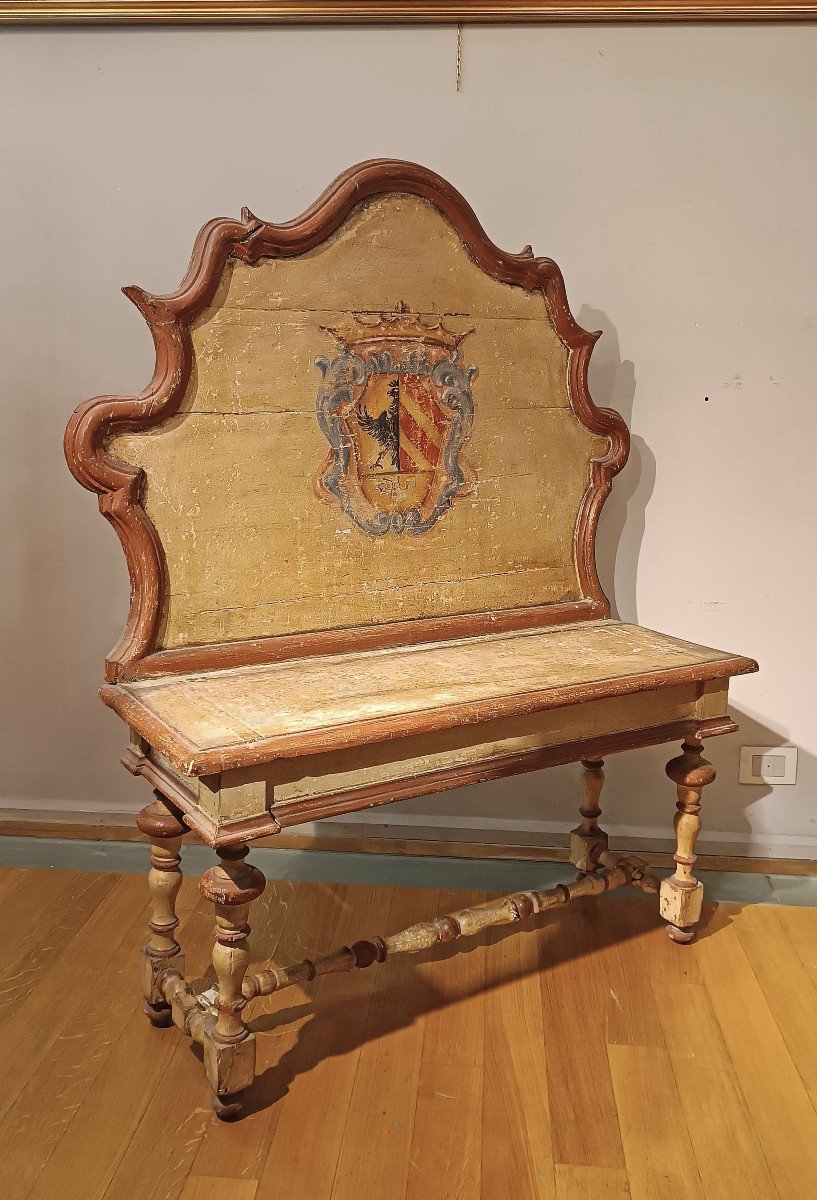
358, 502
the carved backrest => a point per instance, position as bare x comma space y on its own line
368, 426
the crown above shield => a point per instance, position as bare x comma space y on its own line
362, 329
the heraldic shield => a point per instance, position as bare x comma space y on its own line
396, 409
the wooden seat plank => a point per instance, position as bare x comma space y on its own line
336, 701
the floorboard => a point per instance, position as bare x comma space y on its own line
582, 1057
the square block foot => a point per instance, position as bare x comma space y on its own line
230, 1066
585, 849
680, 906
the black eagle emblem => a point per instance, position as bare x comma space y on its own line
385, 429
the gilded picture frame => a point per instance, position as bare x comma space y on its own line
209, 12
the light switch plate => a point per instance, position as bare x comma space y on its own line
772, 765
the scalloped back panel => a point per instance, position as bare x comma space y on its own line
290, 497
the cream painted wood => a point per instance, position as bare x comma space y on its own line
164, 882
614, 870
162, 951
588, 841
230, 708
682, 893
252, 551
229, 1046
237, 794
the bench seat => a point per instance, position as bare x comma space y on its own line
217, 720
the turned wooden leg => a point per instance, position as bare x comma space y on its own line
161, 822
229, 1050
588, 841
682, 894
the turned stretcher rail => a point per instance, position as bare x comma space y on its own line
616, 871
198, 1020
214, 1018
613, 871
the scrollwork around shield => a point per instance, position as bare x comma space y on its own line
410, 371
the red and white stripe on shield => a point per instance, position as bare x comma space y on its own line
422, 425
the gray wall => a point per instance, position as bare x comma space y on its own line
670, 172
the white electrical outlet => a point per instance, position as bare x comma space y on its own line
768, 764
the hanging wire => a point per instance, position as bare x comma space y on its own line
459, 57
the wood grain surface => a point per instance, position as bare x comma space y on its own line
586, 1056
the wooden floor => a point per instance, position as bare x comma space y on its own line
584, 1057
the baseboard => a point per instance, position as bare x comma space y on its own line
532, 841
638, 838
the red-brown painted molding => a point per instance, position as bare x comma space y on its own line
119, 486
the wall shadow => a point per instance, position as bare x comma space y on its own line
732, 803
621, 528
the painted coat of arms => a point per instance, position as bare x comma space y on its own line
396, 408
